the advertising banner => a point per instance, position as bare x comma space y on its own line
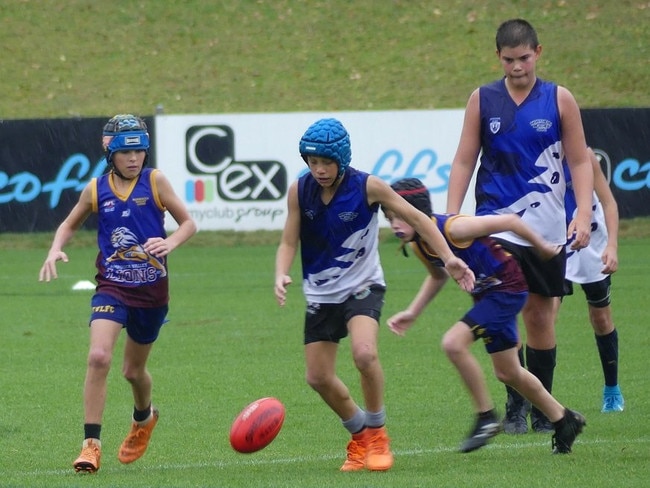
621, 139
233, 171
44, 165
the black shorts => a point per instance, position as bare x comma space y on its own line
544, 278
597, 293
329, 321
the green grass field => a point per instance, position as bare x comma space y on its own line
228, 343
88, 58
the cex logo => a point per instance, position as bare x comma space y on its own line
210, 155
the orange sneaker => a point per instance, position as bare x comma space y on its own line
137, 440
378, 456
356, 453
88, 460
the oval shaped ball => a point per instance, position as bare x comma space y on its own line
257, 425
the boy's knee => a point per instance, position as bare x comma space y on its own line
504, 376
451, 346
99, 358
315, 380
364, 358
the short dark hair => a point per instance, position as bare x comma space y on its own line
516, 32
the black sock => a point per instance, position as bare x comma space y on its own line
520, 355
517, 398
541, 363
488, 415
92, 431
608, 352
140, 415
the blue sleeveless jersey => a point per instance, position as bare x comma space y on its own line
125, 222
521, 159
338, 241
494, 268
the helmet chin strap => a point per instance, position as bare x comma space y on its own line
120, 175
337, 180
115, 171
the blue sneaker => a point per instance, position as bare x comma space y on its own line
612, 399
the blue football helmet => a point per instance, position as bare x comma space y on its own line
327, 138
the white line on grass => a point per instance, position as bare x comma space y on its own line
248, 460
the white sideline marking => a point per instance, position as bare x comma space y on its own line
247, 460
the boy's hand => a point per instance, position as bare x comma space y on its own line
580, 233
401, 322
460, 272
280, 288
610, 260
48, 270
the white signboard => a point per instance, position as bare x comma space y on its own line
233, 170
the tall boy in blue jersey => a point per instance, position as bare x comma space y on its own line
332, 216
524, 128
498, 295
132, 280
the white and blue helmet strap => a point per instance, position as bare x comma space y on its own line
130, 140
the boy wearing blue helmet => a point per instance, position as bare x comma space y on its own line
132, 282
333, 218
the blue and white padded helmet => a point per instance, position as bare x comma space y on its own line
126, 132
327, 138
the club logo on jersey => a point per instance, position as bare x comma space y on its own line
541, 125
348, 216
108, 206
130, 262
141, 201
495, 124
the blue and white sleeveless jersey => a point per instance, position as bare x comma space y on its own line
584, 265
125, 222
494, 268
339, 240
521, 160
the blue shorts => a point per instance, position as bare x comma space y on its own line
493, 318
142, 324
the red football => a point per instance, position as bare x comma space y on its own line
257, 425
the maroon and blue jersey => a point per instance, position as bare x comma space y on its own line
500, 291
494, 268
125, 222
